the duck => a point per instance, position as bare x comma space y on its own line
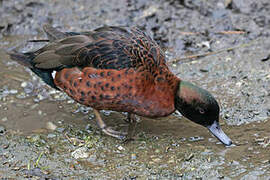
120, 69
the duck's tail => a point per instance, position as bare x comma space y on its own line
22, 58
26, 59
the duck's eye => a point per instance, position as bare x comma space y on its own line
201, 110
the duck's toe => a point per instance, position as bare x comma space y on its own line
111, 132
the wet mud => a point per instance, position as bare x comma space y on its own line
46, 135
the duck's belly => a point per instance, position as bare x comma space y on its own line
114, 90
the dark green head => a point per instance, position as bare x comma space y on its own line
199, 106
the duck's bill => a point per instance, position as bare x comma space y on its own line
218, 133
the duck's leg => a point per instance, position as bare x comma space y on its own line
131, 119
107, 129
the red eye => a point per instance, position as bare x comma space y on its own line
201, 110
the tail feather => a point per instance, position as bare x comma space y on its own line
25, 59
22, 58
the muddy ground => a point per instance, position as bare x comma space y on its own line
46, 135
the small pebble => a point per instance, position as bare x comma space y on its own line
227, 116
256, 112
266, 161
39, 112
171, 161
121, 148
70, 101
13, 91
35, 138
195, 138
212, 139
157, 160
4, 119
51, 126
228, 59
2, 130
60, 129
23, 84
33, 106
5, 146
56, 97
80, 153
259, 140
133, 156
51, 135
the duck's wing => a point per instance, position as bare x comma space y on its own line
103, 48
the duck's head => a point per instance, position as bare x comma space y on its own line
199, 106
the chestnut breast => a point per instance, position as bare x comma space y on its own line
125, 90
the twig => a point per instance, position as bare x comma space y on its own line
219, 32
189, 33
210, 53
231, 32
16, 78
39, 157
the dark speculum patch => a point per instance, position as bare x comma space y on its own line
112, 88
102, 88
102, 74
107, 85
108, 73
119, 75
107, 97
112, 79
93, 97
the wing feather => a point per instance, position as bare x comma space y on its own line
104, 48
